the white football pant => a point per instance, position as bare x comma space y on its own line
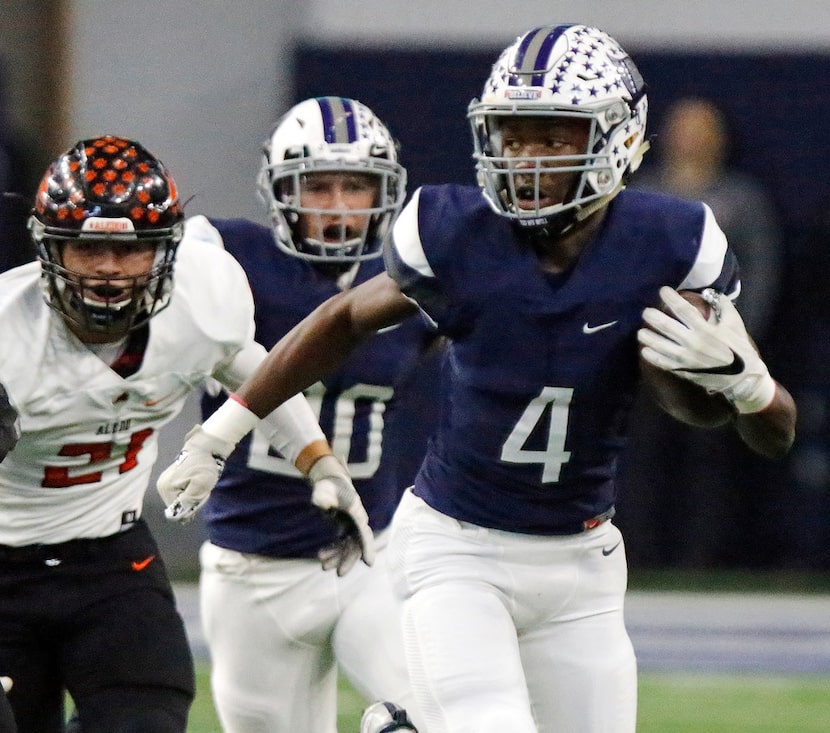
278, 629
515, 633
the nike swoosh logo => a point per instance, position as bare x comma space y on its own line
139, 565
607, 552
736, 366
593, 329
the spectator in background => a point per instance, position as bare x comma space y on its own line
694, 152
16, 246
16, 192
688, 494
804, 353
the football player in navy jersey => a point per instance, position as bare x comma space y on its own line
512, 574
278, 628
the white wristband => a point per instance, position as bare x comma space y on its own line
760, 398
231, 422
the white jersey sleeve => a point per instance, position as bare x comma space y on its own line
293, 425
710, 256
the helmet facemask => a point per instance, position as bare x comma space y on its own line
339, 240
110, 306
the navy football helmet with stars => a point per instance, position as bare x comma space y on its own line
565, 71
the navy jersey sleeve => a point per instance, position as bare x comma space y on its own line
406, 262
442, 232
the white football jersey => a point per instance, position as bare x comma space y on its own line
90, 437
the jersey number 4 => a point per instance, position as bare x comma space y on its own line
557, 402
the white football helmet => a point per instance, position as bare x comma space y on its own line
330, 134
385, 717
571, 71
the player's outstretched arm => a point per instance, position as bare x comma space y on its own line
322, 341
717, 354
317, 346
186, 485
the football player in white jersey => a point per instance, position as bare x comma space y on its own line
104, 338
512, 571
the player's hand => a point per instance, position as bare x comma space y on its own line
333, 492
716, 354
187, 482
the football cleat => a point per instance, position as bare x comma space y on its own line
385, 717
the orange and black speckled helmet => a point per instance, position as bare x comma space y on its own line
107, 178
109, 189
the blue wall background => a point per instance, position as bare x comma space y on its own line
779, 109
778, 104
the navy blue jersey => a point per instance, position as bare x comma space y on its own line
542, 368
262, 504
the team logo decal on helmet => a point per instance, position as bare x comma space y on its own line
330, 135
566, 71
107, 189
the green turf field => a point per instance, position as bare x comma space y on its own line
669, 703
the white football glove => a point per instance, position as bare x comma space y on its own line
716, 354
185, 484
333, 492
